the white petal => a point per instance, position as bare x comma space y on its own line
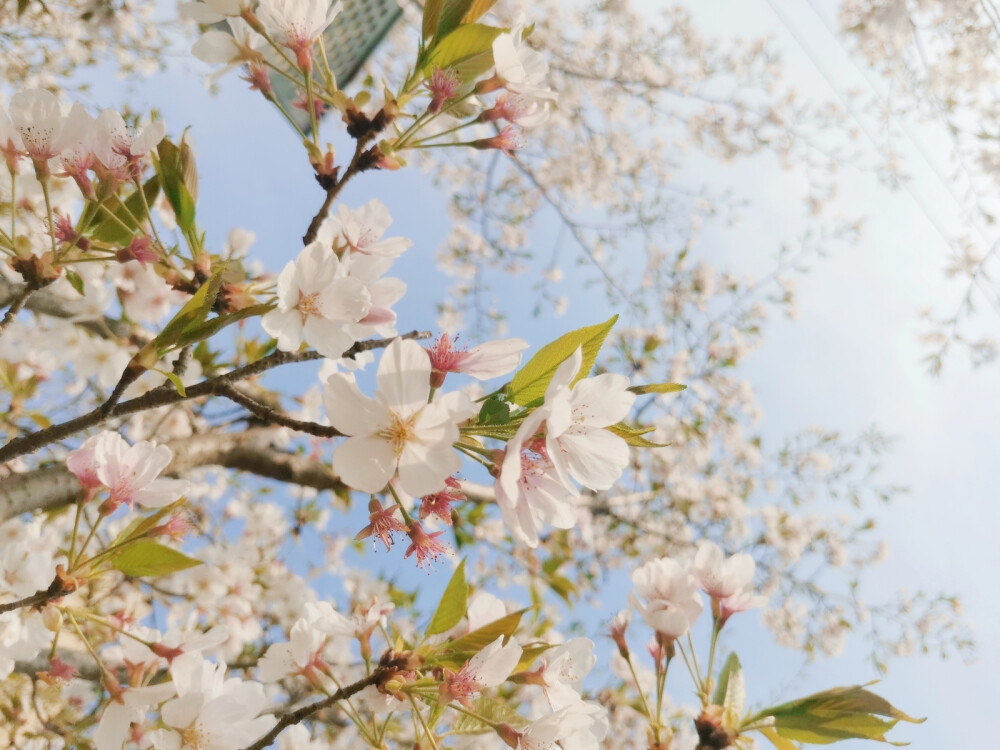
596, 458
365, 463
404, 377
349, 410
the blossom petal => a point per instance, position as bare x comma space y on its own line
365, 463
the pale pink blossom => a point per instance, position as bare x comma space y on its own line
666, 595
577, 443
130, 706
397, 433
488, 668
297, 24
361, 230
488, 360
299, 656
563, 670
130, 472
521, 69
119, 149
719, 576
529, 489
210, 712
45, 131
315, 303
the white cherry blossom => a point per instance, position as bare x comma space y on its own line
398, 433
45, 131
488, 668
666, 596
718, 576
315, 303
361, 230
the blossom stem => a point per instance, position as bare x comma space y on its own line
687, 663
314, 124
48, 211
642, 694
13, 203
76, 528
469, 451
694, 658
423, 722
716, 629
399, 503
149, 215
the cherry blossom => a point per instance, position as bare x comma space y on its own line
210, 712
563, 671
315, 302
299, 656
361, 230
520, 68
129, 473
488, 668
118, 149
130, 706
576, 441
671, 601
45, 131
398, 432
488, 360
296, 24
718, 576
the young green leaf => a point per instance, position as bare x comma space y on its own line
148, 558
456, 12
432, 18
75, 281
175, 165
120, 226
175, 380
529, 384
732, 665
657, 388
634, 436
778, 741
193, 314
451, 608
460, 650
462, 45
832, 715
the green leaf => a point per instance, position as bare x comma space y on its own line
75, 281
451, 608
173, 378
460, 650
148, 558
178, 176
453, 13
634, 435
108, 229
732, 665
190, 316
202, 331
432, 18
467, 49
832, 715
657, 388
529, 384
779, 742
494, 411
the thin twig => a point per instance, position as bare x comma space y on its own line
299, 715
332, 192
273, 416
15, 307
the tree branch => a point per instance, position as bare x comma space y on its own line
380, 674
166, 395
274, 416
251, 451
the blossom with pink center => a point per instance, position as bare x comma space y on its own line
45, 131
718, 576
58, 671
297, 24
128, 472
529, 488
120, 150
299, 656
127, 707
671, 600
382, 523
397, 433
10, 141
443, 85
741, 601
178, 526
139, 249
507, 140
489, 360
315, 303
579, 411
488, 668
361, 230
519, 110
425, 547
580, 726
439, 504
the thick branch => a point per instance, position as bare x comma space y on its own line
166, 395
377, 676
251, 451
